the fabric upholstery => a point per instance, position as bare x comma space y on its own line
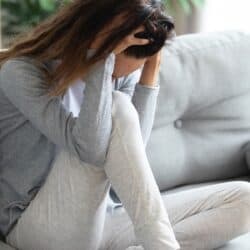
4, 246
202, 122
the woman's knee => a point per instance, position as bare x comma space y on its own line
123, 109
242, 202
244, 190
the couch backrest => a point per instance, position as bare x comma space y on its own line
202, 121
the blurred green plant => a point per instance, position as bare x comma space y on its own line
185, 5
20, 15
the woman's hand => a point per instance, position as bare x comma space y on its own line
124, 65
131, 40
151, 69
128, 41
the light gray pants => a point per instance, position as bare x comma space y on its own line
68, 212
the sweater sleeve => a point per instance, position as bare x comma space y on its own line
86, 136
144, 99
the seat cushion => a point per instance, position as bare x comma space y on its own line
239, 243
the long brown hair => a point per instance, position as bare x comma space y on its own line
67, 35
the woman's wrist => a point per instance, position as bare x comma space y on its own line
149, 75
150, 70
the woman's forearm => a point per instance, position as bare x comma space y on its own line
149, 76
145, 102
150, 72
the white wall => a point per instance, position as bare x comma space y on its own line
226, 15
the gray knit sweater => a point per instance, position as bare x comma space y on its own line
33, 126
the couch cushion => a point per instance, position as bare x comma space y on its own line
202, 121
239, 243
4, 246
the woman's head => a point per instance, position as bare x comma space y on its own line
67, 35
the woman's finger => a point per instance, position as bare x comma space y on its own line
139, 29
131, 40
137, 40
141, 41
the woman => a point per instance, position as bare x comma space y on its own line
58, 166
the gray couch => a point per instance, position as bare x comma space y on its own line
202, 123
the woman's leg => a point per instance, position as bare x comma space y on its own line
69, 210
202, 217
207, 217
131, 176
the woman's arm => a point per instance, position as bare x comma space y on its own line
144, 98
144, 93
86, 136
